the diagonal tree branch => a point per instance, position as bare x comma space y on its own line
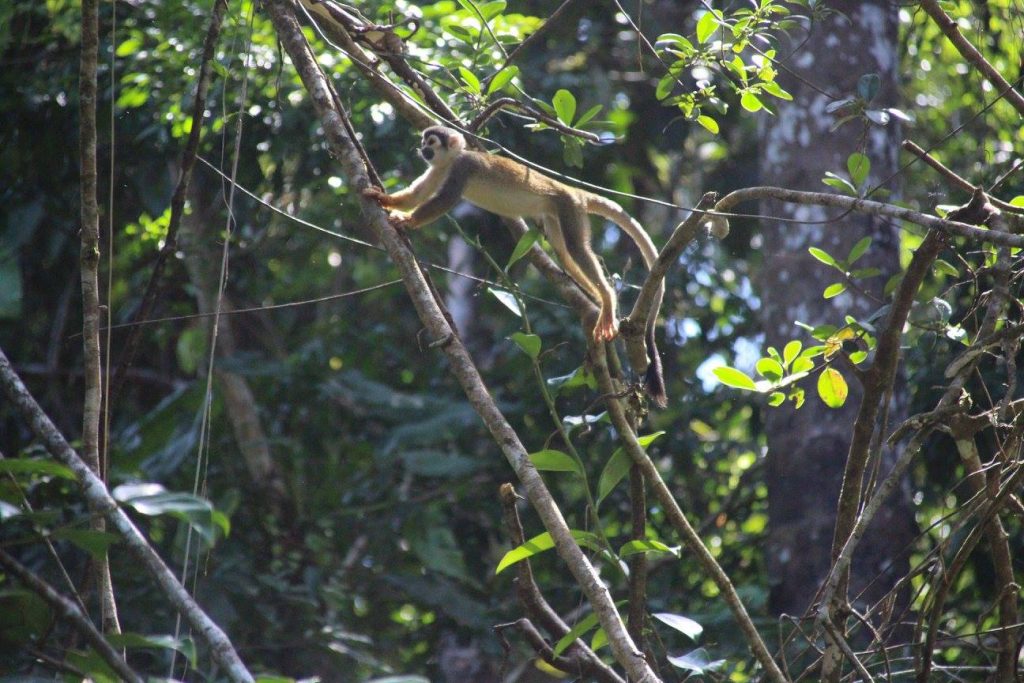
99, 499
461, 363
66, 608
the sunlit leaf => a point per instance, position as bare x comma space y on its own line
709, 123
506, 298
859, 166
647, 546
684, 625
565, 106
770, 368
502, 78
470, 79
706, 26
823, 256
834, 290
549, 460
541, 543
832, 388
734, 378
791, 351
530, 343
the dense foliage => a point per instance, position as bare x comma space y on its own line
377, 554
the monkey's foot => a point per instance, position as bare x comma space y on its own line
401, 220
606, 328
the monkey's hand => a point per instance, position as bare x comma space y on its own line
606, 328
378, 195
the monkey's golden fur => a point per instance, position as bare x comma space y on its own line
510, 189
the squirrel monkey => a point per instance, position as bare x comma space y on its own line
510, 189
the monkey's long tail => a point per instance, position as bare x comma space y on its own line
654, 379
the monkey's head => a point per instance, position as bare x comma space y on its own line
441, 145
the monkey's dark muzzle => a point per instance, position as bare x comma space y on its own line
427, 153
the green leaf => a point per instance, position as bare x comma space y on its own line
599, 640
523, 247
776, 399
647, 439
773, 89
588, 115
706, 26
647, 546
709, 124
585, 625
751, 102
832, 388
197, 512
614, 471
859, 166
684, 625
945, 268
734, 378
136, 641
470, 79
530, 343
803, 364
565, 106
549, 460
502, 78
697, 661
834, 290
665, 85
770, 368
859, 249
93, 542
491, 9
507, 298
129, 47
542, 542
823, 256
1018, 201
838, 182
791, 351
43, 468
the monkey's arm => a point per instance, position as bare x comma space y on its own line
414, 195
443, 200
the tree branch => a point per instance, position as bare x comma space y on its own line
971, 54
99, 499
70, 611
461, 364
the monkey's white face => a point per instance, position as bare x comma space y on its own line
441, 145
433, 150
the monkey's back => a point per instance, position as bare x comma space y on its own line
508, 188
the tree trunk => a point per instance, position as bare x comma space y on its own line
807, 448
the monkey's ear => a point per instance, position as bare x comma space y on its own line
456, 143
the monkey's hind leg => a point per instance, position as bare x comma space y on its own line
574, 250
